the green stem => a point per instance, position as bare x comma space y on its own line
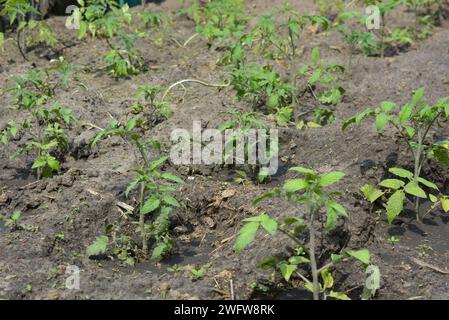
19, 33
315, 284
142, 221
418, 170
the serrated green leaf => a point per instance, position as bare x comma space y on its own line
157, 163
159, 251
362, 255
371, 193
387, 106
395, 205
338, 295
172, 177
331, 178
331, 219
98, 246
170, 200
246, 235
401, 173
270, 225
150, 205
392, 183
382, 120
427, 183
295, 185
287, 270
415, 190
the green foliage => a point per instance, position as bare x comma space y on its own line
310, 193
241, 124
102, 18
13, 221
199, 273
19, 11
47, 123
151, 19
219, 21
323, 78
276, 41
146, 100
413, 122
155, 189
99, 246
396, 191
262, 86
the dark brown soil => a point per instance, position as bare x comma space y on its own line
81, 202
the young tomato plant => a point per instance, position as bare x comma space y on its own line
48, 128
219, 21
241, 124
155, 189
284, 39
146, 101
310, 193
262, 87
356, 38
20, 11
107, 21
323, 77
413, 122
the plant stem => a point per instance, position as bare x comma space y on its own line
191, 80
142, 221
418, 170
382, 36
20, 46
316, 289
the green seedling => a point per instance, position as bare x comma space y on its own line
393, 240
310, 193
19, 11
322, 79
13, 221
241, 124
283, 41
155, 201
176, 269
355, 38
47, 125
424, 250
108, 22
219, 21
199, 273
262, 87
146, 101
413, 123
